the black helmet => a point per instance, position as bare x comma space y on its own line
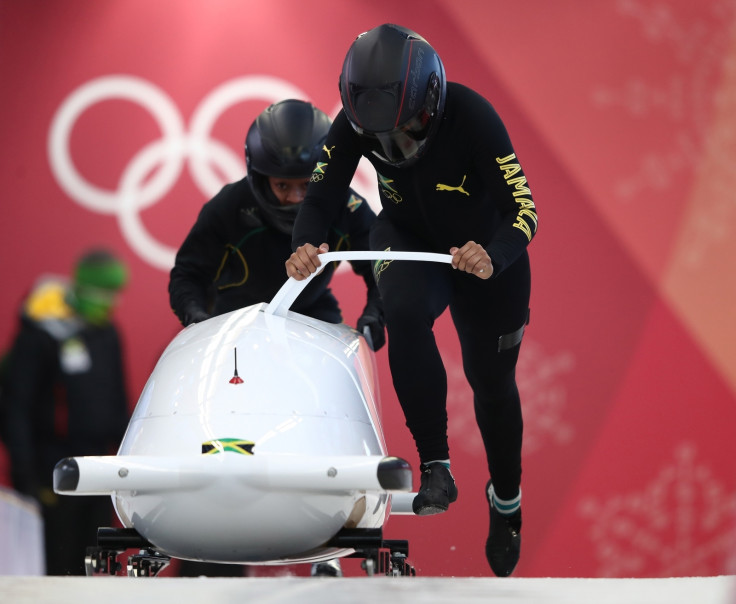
283, 141
392, 88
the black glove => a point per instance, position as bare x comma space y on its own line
193, 313
372, 321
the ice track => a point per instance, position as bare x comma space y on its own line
417, 590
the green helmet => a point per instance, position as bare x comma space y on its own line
98, 277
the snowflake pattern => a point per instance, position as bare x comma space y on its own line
681, 524
543, 400
683, 98
539, 376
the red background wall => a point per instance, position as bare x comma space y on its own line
623, 115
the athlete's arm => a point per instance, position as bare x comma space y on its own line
328, 185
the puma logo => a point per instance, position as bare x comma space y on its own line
328, 151
441, 187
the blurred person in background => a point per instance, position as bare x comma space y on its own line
64, 394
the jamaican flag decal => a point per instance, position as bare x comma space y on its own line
234, 445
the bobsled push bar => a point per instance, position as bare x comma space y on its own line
289, 292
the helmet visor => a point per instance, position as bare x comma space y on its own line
402, 143
406, 141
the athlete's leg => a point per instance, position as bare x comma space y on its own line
488, 316
414, 294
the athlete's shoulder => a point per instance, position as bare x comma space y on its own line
341, 121
470, 115
461, 98
341, 131
239, 190
234, 195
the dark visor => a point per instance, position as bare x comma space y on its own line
406, 141
400, 144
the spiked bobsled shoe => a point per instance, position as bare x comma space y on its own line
503, 546
437, 490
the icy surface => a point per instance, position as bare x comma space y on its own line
418, 590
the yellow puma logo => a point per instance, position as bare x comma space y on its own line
441, 187
328, 151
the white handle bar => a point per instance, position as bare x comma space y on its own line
290, 290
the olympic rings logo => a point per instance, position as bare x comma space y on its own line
392, 195
316, 177
211, 163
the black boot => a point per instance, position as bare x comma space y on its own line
437, 490
503, 546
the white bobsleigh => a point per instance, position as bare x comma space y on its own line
257, 440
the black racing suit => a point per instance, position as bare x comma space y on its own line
64, 394
233, 258
468, 185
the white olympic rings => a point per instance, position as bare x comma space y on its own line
154, 170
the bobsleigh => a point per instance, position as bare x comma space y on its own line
257, 440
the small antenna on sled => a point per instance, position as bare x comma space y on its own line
236, 379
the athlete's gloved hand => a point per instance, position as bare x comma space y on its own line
194, 314
372, 320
